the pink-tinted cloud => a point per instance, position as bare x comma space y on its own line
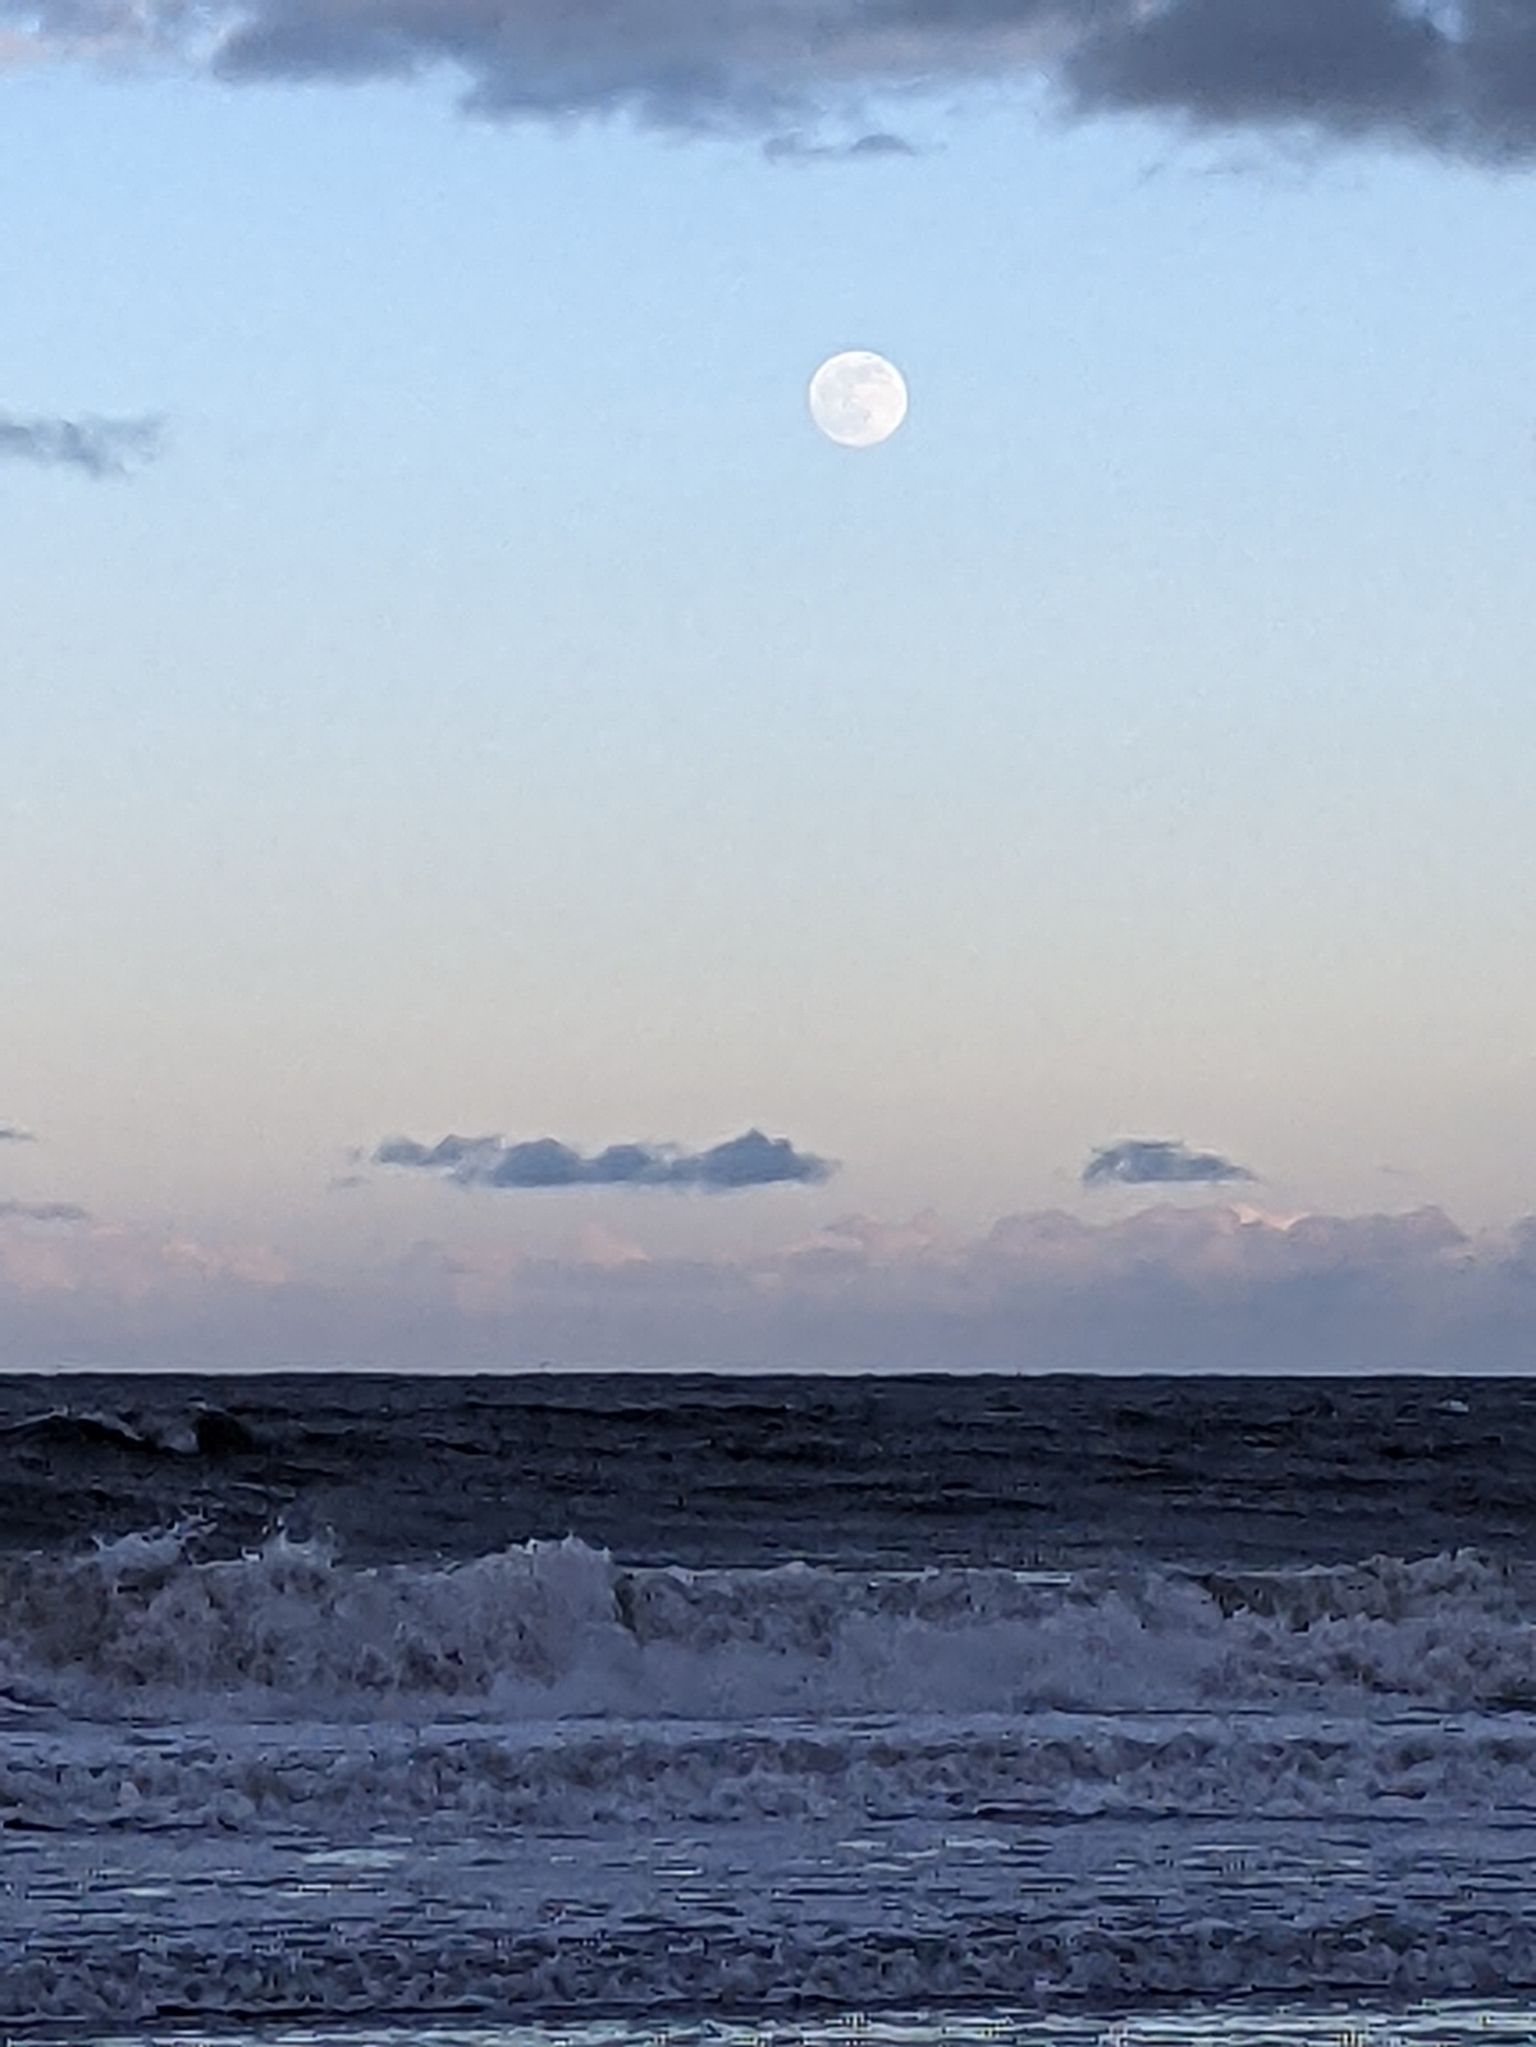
1210, 1289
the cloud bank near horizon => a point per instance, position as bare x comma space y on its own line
98, 448
1170, 1289
1456, 77
1159, 1161
751, 1160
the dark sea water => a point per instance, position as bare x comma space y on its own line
575, 1710
706, 1471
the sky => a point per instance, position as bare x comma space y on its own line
515, 849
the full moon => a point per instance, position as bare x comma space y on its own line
858, 399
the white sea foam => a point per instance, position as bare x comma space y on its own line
343, 1783
543, 1781
769, 1918
343, 1780
559, 1629
1253, 2023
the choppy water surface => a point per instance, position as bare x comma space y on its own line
694, 1470
1145, 1711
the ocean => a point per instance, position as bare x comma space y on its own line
578, 1710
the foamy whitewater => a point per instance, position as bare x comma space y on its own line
1069, 1703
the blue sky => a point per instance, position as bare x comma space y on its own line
497, 711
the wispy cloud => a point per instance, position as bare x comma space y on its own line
751, 1160
99, 448
12, 1133
872, 148
43, 1212
1159, 1161
1458, 78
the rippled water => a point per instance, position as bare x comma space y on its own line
702, 1471
1445, 2024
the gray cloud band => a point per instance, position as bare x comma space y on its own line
95, 447
1159, 1161
1457, 76
795, 149
751, 1160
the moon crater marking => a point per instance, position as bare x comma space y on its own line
858, 399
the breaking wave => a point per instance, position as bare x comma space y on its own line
558, 1629
540, 1781
199, 1431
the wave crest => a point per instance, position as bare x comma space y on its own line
559, 1628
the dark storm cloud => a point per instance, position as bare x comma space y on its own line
96, 447
43, 1212
1160, 1161
1348, 64
1452, 75
751, 1160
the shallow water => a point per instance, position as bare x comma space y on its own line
1250, 2024
1103, 1914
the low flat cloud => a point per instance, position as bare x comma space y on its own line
43, 1212
1456, 77
1159, 1161
751, 1160
98, 448
12, 1133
